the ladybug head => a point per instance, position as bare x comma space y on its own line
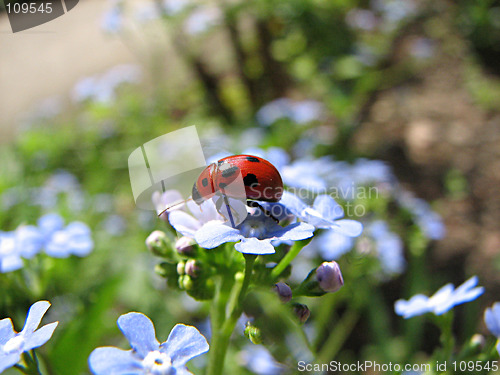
203, 188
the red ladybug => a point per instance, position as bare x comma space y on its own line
261, 179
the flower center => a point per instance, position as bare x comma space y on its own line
157, 363
15, 344
253, 227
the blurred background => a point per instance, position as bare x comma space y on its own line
415, 84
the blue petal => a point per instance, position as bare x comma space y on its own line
214, 233
140, 332
351, 228
293, 203
9, 360
295, 232
417, 305
113, 361
253, 245
35, 315
333, 245
491, 318
183, 344
278, 210
40, 336
50, 223
6, 330
10, 263
29, 240
328, 208
59, 245
184, 223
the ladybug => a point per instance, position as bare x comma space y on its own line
261, 179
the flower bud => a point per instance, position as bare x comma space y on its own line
158, 243
184, 246
181, 268
253, 334
301, 311
186, 282
192, 268
329, 276
284, 292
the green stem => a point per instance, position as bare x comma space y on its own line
287, 259
445, 323
222, 328
337, 337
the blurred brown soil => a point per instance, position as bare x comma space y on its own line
430, 125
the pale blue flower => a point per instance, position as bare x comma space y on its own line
202, 19
389, 247
332, 245
259, 361
112, 20
13, 344
147, 355
429, 221
25, 242
325, 213
492, 319
74, 239
441, 302
300, 112
253, 236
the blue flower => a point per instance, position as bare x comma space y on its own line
25, 242
255, 234
13, 344
492, 319
325, 214
389, 247
259, 361
300, 112
74, 239
187, 224
147, 355
332, 245
441, 302
429, 221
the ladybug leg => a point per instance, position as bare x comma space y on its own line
266, 212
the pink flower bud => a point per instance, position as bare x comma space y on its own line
283, 291
329, 276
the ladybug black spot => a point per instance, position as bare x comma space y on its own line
253, 159
229, 171
204, 182
222, 185
250, 180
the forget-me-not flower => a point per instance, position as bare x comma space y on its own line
441, 302
74, 239
492, 320
325, 213
259, 361
254, 234
147, 355
25, 242
13, 344
389, 247
300, 112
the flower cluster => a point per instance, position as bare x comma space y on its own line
50, 235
